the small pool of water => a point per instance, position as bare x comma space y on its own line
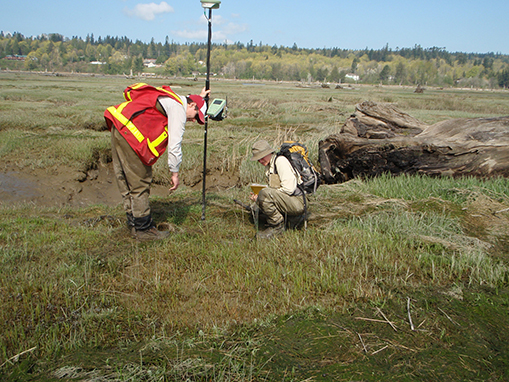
14, 188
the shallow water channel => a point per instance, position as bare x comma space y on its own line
13, 188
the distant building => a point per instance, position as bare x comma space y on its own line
150, 63
16, 57
354, 77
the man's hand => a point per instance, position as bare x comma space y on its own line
174, 181
253, 197
204, 93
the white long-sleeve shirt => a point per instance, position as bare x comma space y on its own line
176, 113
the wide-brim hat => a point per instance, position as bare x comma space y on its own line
202, 107
261, 149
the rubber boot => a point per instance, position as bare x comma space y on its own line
271, 231
130, 223
151, 234
145, 230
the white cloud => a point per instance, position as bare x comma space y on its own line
232, 28
192, 35
222, 30
149, 11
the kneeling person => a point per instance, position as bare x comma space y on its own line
282, 197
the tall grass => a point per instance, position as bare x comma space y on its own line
422, 187
438, 242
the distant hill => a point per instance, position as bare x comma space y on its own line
116, 55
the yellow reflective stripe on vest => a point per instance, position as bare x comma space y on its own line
177, 98
152, 145
138, 85
121, 107
133, 86
123, 120
141, 84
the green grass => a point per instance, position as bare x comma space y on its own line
450, 189
96, 288
81, 300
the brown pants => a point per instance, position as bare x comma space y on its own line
133, 179
276, 204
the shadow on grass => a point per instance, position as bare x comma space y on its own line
174, 211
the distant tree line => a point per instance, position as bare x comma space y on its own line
116, 55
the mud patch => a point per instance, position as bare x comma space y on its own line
487, 216
58, 186
214, 181
63, 186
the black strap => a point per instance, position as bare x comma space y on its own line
305, 201
136, 113
160, 108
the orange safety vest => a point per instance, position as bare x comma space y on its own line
140, 122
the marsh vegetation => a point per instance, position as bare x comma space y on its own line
395, 278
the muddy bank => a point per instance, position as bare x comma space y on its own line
63, 186
58, 187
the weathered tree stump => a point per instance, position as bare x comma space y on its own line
379, 139
419, 89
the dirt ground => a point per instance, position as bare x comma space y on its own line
62, 187
59, 187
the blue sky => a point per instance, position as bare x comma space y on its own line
465, 26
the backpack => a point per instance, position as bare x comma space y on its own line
297, 155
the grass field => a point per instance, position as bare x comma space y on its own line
402, 279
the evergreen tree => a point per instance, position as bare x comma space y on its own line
137, 65
355, 62
400, 75
503, 78
384, 74
334, 74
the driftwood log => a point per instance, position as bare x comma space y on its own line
379, 139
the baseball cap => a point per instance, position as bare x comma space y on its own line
202, 107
